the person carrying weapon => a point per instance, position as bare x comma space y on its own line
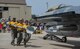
12, 25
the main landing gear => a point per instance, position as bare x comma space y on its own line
64, 39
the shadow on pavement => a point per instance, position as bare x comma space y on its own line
33, 39
62, 45
72, 42
75, 43
34, 46
29, 42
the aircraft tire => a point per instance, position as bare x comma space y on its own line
64, 39
45, 37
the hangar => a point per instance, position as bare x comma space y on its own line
15, 8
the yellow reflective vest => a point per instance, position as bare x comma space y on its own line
19, 26
12, 24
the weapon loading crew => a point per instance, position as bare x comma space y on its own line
18, 28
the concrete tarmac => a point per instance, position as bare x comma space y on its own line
37, 42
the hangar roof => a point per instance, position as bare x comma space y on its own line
13, 1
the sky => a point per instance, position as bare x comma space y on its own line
40, 6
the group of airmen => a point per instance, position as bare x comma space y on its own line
18, 31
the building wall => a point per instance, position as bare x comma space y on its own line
28, 12
14, 12
18, 11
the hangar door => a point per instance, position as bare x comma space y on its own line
14, 12
0, 14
